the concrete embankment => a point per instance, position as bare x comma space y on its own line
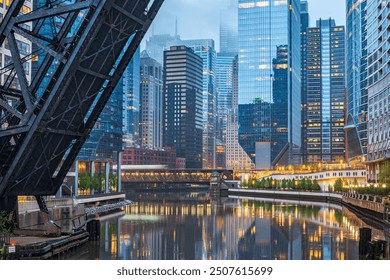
369, 207
289, 195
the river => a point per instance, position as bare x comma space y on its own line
193, 226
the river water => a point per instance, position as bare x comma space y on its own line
193, 226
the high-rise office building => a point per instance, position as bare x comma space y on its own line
228, 29
236, 157
305, 23
151, 90
157, 44
182, 104
264, 28
325, 92
356, 77
378, 84
224, 84
131, 100
206, 50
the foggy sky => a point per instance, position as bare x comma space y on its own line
199, 19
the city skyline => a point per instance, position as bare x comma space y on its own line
185, 13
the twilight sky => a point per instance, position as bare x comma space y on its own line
199, 19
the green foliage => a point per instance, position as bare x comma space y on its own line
376, 191
257, 100
315, 186
338, 185
102, 181
303, 184
84, 181
95, 182
113, 181
384, 174
3, 223
284, 184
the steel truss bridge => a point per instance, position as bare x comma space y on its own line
175, 176
83, 47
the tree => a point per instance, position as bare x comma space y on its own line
95, 182
113, 182
315, 186
84, 181
338, 185
302, 184
102, 181
4, 229
384, 174
284, 184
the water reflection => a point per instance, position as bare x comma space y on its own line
191, 226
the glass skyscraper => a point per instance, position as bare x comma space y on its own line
206, 50
156, 44
151, 90
224, 83
324, 93
378, 86
305, 22
236, 157
269, 56
131, 100
356, 73
228, 29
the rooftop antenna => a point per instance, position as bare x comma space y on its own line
176, 28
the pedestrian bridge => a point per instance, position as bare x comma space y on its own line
172, 176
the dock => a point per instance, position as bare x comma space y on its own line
78, 220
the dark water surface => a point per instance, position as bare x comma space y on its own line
193, 226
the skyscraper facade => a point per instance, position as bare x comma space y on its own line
151, 90
131, 100
325, 92
264, 29
205, 48
224, 84
378, 83
356, 78
182, 104
305, 23
157, 44
228, 29
236, 157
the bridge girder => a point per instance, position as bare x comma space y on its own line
45, 120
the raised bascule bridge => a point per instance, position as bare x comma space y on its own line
80, 50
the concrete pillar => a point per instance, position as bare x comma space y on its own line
106, 240
76, 178
92, 173
107, 176
118, 241
119, 172
92, 168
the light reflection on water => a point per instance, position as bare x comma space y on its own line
191, 226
